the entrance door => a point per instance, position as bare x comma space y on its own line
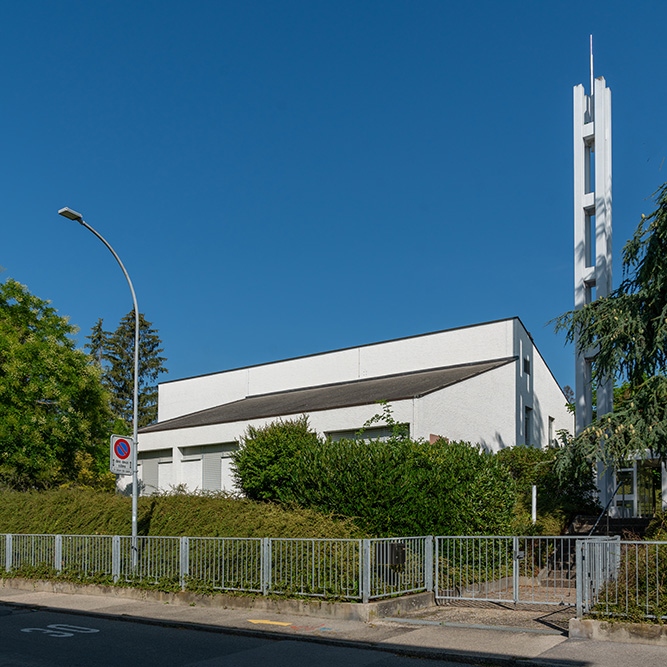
625, 502
640, 492
649, 482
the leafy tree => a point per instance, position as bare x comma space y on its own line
53, 408
118, 354
629, 331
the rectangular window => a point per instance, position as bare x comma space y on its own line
552, 436
528, 426
375, 433
153, 466
589, 168
526, 366
589, 240
208, 466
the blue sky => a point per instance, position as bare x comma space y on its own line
283, 178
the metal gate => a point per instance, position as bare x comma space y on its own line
533, 570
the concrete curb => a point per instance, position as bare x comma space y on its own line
346, 611
626, 633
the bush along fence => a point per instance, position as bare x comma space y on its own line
601, 576
622, 579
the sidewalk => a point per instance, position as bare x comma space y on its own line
498, 637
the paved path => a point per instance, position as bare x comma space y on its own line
433, 637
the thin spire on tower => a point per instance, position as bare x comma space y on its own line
592, 84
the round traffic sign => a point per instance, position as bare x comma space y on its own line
121, 448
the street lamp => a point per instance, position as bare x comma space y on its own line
77, 217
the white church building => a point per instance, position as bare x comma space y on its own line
486, 383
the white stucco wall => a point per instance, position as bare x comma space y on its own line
480, 410
539, 391
456, 346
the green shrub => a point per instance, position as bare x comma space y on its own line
264, 463
561, 494
394, 487
657, 528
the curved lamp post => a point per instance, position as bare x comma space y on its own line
77, 217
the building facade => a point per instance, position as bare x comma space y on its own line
485, 383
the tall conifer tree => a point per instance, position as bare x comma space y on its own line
116, 352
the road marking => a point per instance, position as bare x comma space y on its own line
291, 626
46, 631
250, 620
61, 630
72, 628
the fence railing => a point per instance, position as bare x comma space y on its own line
529, 570
336, 568
604, 576
621, 578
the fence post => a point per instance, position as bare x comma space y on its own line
265, 563
428, 563
58, 554
436, 567
515, 569
184, 561
579, 576
365, 570
8, 552
115, 558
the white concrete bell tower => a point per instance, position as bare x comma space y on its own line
592, 234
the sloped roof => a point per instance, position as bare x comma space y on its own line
331, 396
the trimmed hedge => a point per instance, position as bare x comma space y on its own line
88, 512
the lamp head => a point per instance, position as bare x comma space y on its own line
69, 213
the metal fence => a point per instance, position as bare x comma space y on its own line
315, 567
603, 576
475, 568
622, 578
336, 568
398, 565
518, 569
226, 563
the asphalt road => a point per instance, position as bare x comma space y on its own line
34, 638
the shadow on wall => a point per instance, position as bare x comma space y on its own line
144, 490
496, 445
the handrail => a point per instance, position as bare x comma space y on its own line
613, 495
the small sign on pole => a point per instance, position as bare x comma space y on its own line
120, 456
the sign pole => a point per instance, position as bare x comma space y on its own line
73, 215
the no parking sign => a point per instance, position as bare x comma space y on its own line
121, 455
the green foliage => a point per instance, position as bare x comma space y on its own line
397, 486
657, 528
559, 496
264, 464
629, 330
78, 511
114, 354
637, 594
407, 487
53, 407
